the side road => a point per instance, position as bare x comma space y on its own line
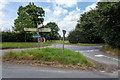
92, 52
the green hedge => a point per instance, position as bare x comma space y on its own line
17, 37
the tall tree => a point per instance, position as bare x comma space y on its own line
28, 16
110, 22
54, 31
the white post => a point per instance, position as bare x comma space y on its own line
38, 37
64, 31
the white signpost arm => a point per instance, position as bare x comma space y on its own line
38, 29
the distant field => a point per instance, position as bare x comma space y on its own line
77, 44
22, 44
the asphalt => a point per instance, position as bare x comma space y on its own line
10, 70
25, 71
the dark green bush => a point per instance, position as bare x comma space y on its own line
17, 37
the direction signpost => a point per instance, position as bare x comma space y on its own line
38, 29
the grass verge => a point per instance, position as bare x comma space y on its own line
53, 55
111, 50
77, 44
6, 45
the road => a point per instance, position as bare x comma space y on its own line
24, 71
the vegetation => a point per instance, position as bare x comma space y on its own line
99, 25
60, 42
53, 35
22, 44
17, 37
29, 16
50, 55
111, 50
76, 44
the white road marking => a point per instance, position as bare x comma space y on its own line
99, 55
112, 58
106, 57
102, 71
87, 50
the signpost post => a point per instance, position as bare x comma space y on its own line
38, 29
64, 31
38, 37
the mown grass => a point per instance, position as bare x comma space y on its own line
22, 44
60, 42
77, 44
111, 50
50, 55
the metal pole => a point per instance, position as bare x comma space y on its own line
63, 45
38, 37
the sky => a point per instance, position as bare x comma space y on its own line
65, 13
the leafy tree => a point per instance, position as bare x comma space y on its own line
88, 29
103, 22
110, 23
54, 31
28, 16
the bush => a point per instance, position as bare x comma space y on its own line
17, 37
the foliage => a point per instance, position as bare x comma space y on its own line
76, 36
100, 24
50, 55
53, 35
17, 37
110, 23
28, 16
111, 50
86, 29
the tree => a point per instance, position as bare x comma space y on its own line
110, 22
54, 31
103, 22
28, 16
87, 29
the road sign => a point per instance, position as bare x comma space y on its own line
40, 30
36, 36
30, 29
64, 31
39, 26
44, 30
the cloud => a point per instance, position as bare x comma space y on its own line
47, 10
66, 3
3, 23
69, 21
90, 7
2, 5
59, 10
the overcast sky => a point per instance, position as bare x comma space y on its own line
63, 12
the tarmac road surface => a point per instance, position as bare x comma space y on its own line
10, 70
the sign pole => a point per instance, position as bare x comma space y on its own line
38, 37
63, 40
63, 46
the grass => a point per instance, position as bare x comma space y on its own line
50, 55
77, 44
60, 42
111, 50
22, 44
